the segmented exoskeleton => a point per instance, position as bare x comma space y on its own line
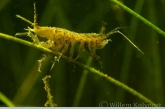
59, 39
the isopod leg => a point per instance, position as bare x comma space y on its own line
81, 48
72, 50
97, 58
31, 35
47, 44
62, 52
41, 60
56, 59
34, 37
65, 47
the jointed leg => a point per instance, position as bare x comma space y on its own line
94, 55
41, 60
55, 59
72, 49
48, 44
34, 37
81, 48
62, 52
31, 35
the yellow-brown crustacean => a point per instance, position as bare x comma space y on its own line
60, 39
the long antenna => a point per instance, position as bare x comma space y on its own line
35, 16
117, 31
28, 21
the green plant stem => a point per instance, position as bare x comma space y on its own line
139, 17
92, 70
5, 100
128, 51
157, 68
82, 84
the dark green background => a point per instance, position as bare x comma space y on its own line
22, 83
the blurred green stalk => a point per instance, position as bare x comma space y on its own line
139, 17
5, 100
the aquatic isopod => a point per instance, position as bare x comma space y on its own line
59, 39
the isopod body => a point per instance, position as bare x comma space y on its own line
59, 39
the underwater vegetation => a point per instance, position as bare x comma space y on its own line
128, 77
